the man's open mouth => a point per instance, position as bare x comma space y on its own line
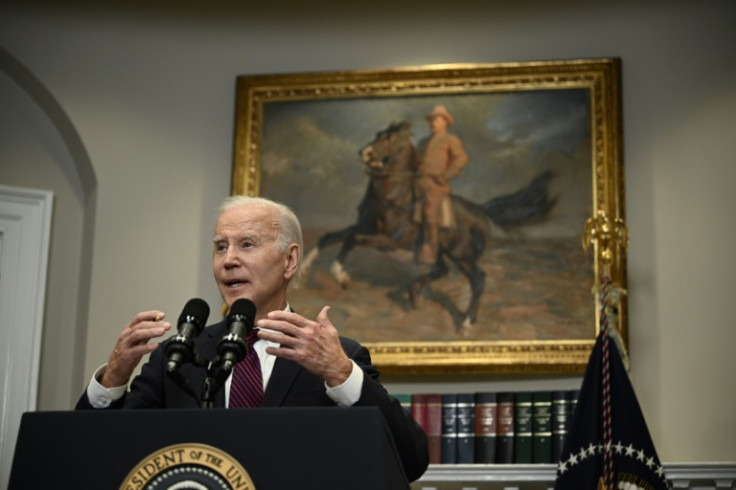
234, 283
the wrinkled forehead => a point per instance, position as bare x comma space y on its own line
252, 220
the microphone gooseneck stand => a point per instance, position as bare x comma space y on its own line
213, 382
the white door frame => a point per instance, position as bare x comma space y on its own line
25, 234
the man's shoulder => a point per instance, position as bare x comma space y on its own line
348, 342
451, 137
445, 139
355, 350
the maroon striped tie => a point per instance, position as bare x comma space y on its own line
246, 389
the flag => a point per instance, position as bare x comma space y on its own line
608, 445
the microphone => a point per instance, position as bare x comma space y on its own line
191, 322
233, 346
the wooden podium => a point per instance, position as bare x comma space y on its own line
254, 449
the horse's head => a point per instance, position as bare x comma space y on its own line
390, 147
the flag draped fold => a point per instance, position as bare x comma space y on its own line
635, 464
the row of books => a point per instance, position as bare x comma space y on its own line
523, 427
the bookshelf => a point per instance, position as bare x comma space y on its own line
694, 476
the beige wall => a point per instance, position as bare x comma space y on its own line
151, 96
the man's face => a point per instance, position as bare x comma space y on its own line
438, 124
247, 262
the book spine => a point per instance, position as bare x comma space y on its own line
560, 419
485, 428
505, 428
419, 409
465, 428
434, 427
542, 427
449, 429
427, 411
523, 427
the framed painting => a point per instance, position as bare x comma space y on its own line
456, 218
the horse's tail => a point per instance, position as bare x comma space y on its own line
528, 205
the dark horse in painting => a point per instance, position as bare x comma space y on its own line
385, 219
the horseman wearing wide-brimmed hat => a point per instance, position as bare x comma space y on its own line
441, 159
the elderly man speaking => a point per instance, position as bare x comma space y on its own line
300, 361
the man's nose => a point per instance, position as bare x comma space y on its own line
232, 259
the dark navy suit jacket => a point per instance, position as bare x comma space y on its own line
290, 385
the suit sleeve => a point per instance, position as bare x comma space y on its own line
146, 389
409, 437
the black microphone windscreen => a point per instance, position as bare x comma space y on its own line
197, 309
243, 307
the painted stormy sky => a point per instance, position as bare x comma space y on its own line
310, 150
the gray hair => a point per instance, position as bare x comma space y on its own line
288, 228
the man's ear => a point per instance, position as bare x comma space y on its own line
292, 258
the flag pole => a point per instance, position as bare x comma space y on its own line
607, 235
606, 388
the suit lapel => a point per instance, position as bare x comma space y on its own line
283, 377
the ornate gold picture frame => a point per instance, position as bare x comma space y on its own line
509, 287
